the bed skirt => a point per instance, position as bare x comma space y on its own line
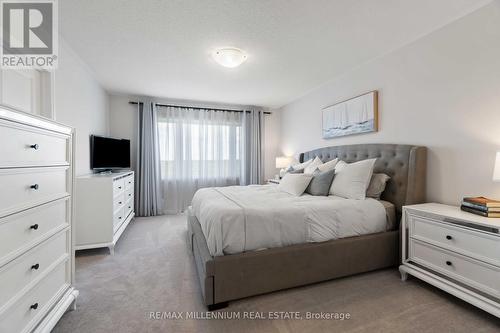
231, 277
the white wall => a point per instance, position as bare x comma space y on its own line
442, 91
80, 102
123, 124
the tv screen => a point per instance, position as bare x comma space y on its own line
109, 153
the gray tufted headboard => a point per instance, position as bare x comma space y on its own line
405, 164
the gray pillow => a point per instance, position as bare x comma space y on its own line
296, 171
321, 182
377, 185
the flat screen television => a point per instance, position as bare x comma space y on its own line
109, 153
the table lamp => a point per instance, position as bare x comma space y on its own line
283, 162
496, 170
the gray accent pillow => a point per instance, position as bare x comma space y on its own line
377, 185
321, 182
296, 171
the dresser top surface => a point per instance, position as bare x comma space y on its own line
455, 213
112, 175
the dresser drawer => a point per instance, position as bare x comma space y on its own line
118, 202
118, 187
129, 182
472, 272
129, 207
129, 194
21, 231
118, 219
21, 317
476, 244
19, 273
30, 187
24, 146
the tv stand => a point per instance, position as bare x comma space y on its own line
104, 208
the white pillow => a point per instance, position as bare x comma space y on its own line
339, 166
327, 166
302, 166
308, 170
352, 180
294, 183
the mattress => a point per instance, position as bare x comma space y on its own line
236, 219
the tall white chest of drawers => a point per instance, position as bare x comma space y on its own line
104, 208
36, 251
453, 250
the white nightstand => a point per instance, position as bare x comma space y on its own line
455, 251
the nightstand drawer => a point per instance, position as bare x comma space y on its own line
476, 244
474, 273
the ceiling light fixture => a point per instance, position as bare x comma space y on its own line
230, 57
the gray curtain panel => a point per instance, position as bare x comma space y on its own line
253, 161
148, 200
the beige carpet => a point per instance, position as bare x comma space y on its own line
152, 270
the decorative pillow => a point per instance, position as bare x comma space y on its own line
294, 184
340, 165
377, 185
321, 182
296, 171
302, 166
327, 166
313, 166
352, 180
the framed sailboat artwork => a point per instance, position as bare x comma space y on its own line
353, 116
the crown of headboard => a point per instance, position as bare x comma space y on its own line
405, 164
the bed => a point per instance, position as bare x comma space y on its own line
227, 273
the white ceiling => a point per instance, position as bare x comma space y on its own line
162, 48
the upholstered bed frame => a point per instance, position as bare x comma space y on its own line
237, 276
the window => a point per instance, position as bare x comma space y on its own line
199, 149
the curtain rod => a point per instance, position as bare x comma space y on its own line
195, 107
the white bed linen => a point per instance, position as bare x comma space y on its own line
235, 219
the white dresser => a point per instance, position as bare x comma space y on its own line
36, 252
104, 208
453, 250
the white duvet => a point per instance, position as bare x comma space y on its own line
244, 218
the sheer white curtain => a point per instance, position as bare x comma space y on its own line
198, 148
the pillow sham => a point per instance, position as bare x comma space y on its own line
339, 166
321, 182
327, 166
377, 185
302, 166
294, 184
352, 180
313, 166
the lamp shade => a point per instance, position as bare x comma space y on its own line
283, 161
496, 170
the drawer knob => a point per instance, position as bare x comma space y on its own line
449, 263
119, 217
120, 187
129, 207
448, 237
129, 195
35, 267
35, 146
34, 227
35, 187
34, 306
119, 202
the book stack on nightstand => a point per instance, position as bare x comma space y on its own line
481, 206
